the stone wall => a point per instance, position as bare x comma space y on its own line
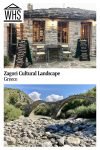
29, 34
93, 40
51, 32
74, 34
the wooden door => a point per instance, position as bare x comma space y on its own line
86, 31
12, 40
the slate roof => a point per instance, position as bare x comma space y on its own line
64, 13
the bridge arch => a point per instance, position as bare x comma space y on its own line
59, 109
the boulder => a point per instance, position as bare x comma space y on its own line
73, 140
10, 140
26, 139
47, 144
61, 141
48, 134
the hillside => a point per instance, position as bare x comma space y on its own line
17, 94
15, 102
91, 92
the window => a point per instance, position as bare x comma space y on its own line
38, 31
62, 32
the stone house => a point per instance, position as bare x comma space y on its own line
62, 26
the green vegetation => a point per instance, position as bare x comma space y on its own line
75, 103
70, 113
91, 93
17, 101
42, 109
83, 111
86, 112
13, 98
6, 61
11, 112
16, 96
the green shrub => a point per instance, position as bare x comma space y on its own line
6, 61
75, 103
70, 113
91, 93
80, 111
86, 112
42, 109
18, 101
22, 108
13, 98
11, 113
21, 105
92, 110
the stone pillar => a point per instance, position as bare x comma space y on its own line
18, 31
74, 34
30, 32
51, 33
30, 35
25, 29
93, 40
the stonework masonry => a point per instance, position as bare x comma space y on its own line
51, 34
74, 34
93, 41
51, 16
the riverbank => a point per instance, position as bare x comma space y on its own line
47, 132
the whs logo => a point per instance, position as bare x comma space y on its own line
13, 13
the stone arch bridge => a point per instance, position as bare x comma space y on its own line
59, 105
56, 107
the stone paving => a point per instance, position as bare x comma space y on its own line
70, 63
66, 63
